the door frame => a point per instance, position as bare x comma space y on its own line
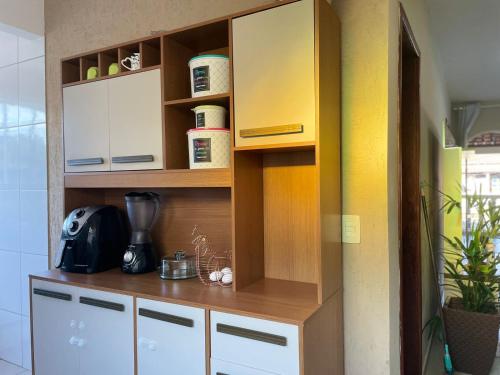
409, 199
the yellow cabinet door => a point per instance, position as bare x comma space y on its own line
273, 72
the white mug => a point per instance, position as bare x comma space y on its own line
134, 61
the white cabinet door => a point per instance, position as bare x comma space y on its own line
273, 70
136, 140
257, 343
107, 333
54, 329
86, 130
171, 339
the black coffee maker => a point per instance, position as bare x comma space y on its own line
142, 210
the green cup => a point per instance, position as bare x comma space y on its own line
113, 69
92, 72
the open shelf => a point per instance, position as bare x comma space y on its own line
188, 103
121, 74
180, 211
177, 178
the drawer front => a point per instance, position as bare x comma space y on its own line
219, 367
256, 343
170, 334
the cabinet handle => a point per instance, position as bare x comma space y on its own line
272, 130
166, 317
51, 294
251, 334
88, 161
132, 159
220, 373
103, 304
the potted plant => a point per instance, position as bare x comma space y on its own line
472, 318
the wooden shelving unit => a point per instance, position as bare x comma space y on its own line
277, 208
268, 208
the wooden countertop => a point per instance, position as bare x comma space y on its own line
280, 300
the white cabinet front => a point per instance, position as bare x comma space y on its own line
273, 70
86, 129
227, 368
81, 331
55, 328
170, 339
107, 333
256, 343
135, 119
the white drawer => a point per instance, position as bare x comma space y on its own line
170, 334
226, 368
256, 343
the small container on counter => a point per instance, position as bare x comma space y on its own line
209, 148
178, 267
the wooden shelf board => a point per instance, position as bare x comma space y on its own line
298, 146
173, 178
280, 300
121, 74
218, 99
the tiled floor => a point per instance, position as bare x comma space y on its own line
7, 368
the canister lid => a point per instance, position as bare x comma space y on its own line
209, 56
208, 129
202, 107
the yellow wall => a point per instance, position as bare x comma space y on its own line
370, 30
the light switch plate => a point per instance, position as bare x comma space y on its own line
351, 229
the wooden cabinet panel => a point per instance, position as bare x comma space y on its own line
107, 333
135, 120
257, 343
170, 334
86, 130
54, 328
273, 69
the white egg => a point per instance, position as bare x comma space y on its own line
227, 278
226, 270
215, 276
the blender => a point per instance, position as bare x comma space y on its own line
142, 210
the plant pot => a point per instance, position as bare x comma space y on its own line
472, 338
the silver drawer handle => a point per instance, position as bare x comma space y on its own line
220, 373
51, 294
103, 304
132, 159
88, 161
251, 334
166, 317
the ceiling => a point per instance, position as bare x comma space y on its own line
468, 37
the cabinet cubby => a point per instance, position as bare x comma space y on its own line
106, 58
70, 71
150, 52
86, 62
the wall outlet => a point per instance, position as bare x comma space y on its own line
351, 229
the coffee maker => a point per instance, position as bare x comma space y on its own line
142, 210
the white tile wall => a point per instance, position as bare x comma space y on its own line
23, 187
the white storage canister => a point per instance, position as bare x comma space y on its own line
210, 116
209, 75
209, 148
